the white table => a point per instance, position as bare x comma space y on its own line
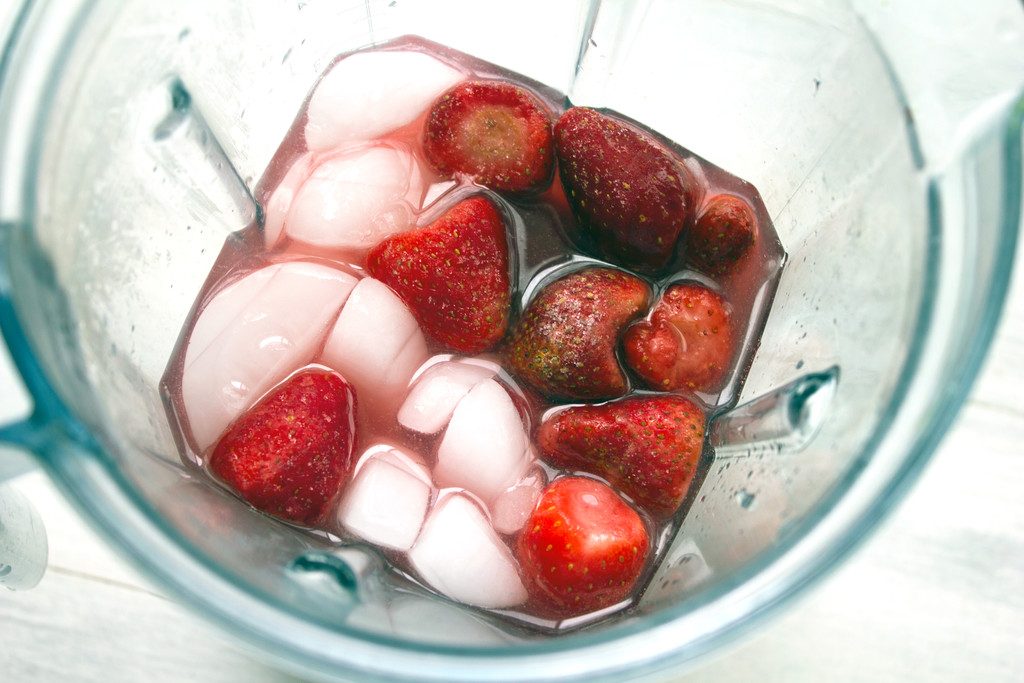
936, 595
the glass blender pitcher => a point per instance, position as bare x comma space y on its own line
133, 134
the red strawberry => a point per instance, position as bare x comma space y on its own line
290, 454
453, 274
583, 547
722, 233
564, 345
624, 187
646, 446
495, 132
687, 343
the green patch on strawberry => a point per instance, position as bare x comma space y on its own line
646, 446
564, 344
496, 133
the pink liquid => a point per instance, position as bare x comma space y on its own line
545, 244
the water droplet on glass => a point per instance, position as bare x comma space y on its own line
745, 499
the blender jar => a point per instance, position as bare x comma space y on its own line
134, 132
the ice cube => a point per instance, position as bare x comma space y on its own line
274, 332
355, 200
484, 448
514, 505
459, 555
376, 344
281, 199
224, 307
369, 94
404, 459
387, 499
435, 394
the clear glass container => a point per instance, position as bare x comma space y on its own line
133, 133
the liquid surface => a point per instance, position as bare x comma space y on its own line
545, 244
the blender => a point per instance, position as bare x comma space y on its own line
134, 134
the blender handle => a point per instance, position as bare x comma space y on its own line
15, 448
21, 436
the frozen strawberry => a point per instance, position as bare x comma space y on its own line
290, 454
722, 234
583, 547
496, 133
646, 446
564, 344
453, 275
625, 188
686, 344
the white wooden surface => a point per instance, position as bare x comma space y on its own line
936, 595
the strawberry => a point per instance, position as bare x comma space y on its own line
686, 343
564, 345
290, 453
646, 446
496, 133
625, 188
453, 275
583, 547
724, 231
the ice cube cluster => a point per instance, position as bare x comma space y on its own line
447, 517
438, 509
483, 483
359, 180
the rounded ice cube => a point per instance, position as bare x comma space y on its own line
353, 201
459, 555
276, 329
484, 448
376, 344
433, 398
367, 95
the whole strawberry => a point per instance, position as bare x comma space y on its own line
583, 547
564, 344
646, 446
625, 187
722, 234
290, 454
452, 274
496, 133
686, 344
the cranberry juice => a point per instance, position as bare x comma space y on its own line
252, 328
